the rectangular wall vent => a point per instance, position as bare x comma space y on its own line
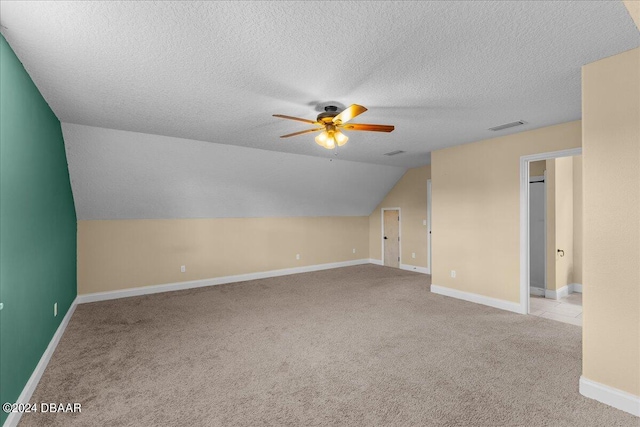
393, 153
508, 125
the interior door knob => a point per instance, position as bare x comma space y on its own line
385, 237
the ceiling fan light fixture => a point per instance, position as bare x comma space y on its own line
326, 140
340, 138
330, 144
329, 139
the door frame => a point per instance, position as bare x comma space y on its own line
524, 218
399, 233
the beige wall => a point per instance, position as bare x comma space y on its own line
611, 197
537, 168
633, 6
476, 209
410, 195
122, 254
564, 221
577, 219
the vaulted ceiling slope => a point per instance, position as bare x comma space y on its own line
441, 72
126, 175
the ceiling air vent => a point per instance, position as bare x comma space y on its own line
393, 153
508, 125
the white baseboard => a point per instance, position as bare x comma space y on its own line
575, 287
375, 261
610, 396
415, 268
478, 299
25, 397
558, 293
536, 291
168, 287
563, 291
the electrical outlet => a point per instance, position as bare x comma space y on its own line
297, 256
413, 255
183, 268
1, 305
453, 274
424, 222
354, 250
55, 309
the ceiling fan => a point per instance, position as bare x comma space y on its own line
330, 122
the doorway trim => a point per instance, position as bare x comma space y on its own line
524, 217
399, 232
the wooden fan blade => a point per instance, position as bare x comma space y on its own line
366, 127
302, 132
349, 113
296, 118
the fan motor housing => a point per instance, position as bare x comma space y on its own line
330, 111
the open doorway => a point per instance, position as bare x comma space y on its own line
429, 257
537, 228
391, 237
551, 236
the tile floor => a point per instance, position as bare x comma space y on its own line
567, 309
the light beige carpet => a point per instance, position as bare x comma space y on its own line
357, 346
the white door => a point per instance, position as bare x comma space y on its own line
537, 231
391, 238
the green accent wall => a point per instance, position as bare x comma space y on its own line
37, 226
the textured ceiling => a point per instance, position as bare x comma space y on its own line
126, 175
441, 72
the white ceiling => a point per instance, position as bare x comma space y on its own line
127, 175
441, 72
